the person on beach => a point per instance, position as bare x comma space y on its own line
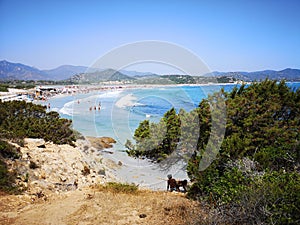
171, 183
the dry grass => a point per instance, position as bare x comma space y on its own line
158, 207
100, 205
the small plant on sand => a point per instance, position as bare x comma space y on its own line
116, 187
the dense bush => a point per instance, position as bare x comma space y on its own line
252, 177
256, 168
156, 141
8, 151
7, 178
271, 199
19, 119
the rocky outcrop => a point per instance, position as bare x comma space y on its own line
47, 166
101, 143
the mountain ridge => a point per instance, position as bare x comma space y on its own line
288, 74
19, 71
65, 71
12, 71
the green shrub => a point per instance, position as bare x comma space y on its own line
7, 180
271, 199
120, 188
262, 126
8, 151
156, 141
19, 119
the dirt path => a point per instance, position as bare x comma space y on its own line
90, 206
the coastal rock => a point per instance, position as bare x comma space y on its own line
59, 167
101, 143
33, 143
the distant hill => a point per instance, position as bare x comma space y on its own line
82, 74
100, 76
137, 73
286, 74
64, 72
18, 71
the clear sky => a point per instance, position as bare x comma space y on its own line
226, 35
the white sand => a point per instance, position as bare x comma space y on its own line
127, 100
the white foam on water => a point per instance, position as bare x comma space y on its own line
139, 104
67, 109
55, 109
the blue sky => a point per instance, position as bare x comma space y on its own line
226, 35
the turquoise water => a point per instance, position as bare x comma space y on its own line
121, 112
134, 106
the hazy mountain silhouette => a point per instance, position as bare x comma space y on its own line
18, 71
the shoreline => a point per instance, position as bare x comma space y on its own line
85, 89
69, 90
13, 93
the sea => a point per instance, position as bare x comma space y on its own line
117, 112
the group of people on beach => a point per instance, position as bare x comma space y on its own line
95, 108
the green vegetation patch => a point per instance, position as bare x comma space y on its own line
19, 120
255, 176
4, 87
8, 151
147, 134
116, 187
18, 84
7, 179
